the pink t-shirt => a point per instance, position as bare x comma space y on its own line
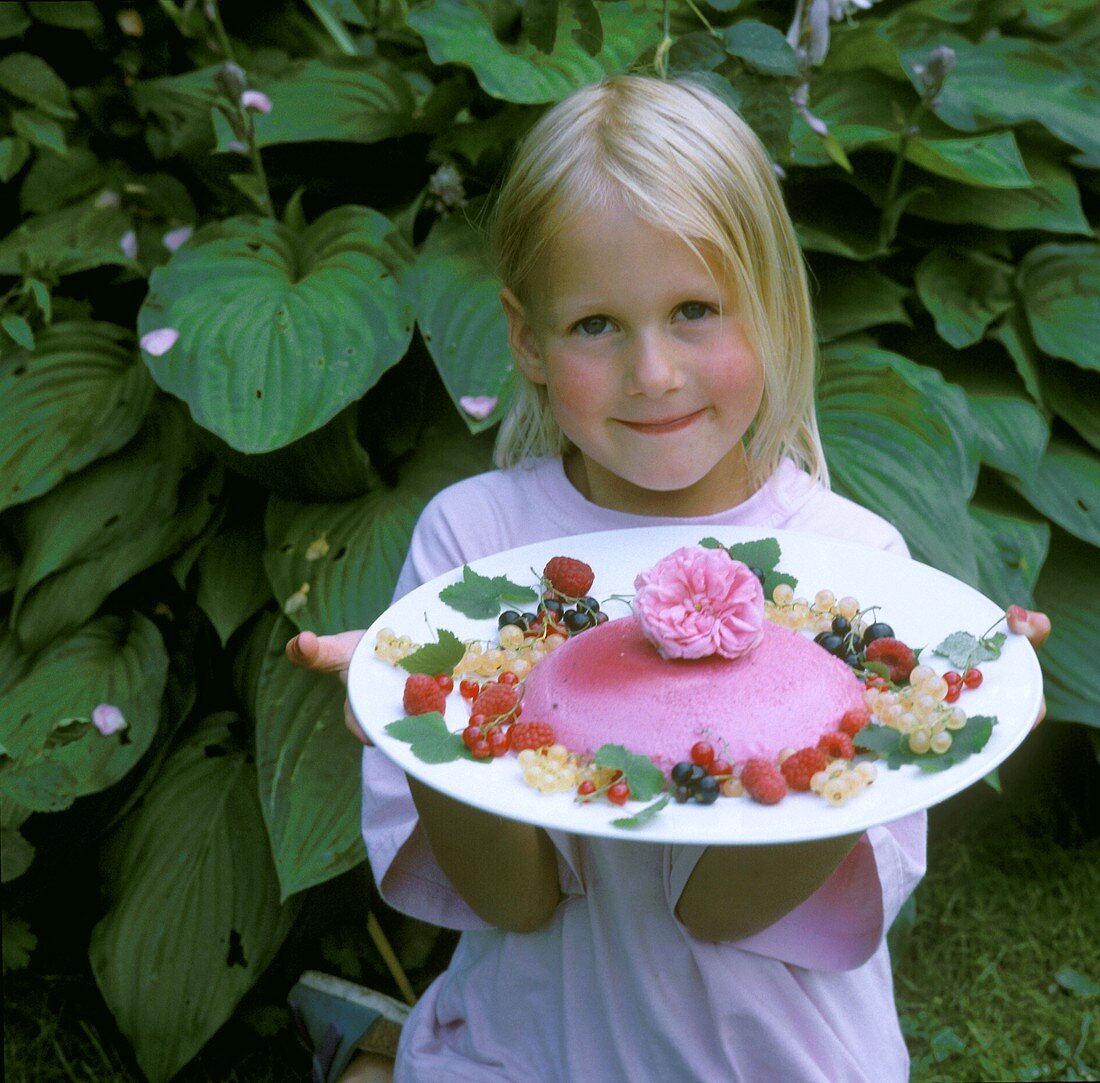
613, 987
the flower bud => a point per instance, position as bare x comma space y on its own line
256, 101
108, 719
231, 80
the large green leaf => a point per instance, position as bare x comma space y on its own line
76, 238
853, 297
897, 439
1014, 335
1012, 432
58, 179
1060, 286
194, 912
1010, 553
31, 79
231, 584
1065, 487
120, 515
112, 660
353, 100
460, 316
279, 331
1053, 204
461, 32
79, 395
333, 566
1074, 395
1001, 81
1067, 590
308, 769
964, 291
175, 110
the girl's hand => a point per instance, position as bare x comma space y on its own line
328, 654
1034, 625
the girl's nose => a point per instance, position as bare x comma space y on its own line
652, 369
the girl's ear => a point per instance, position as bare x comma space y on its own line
521, 338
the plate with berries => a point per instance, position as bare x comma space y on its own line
664, 685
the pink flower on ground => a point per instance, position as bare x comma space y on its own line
479, 407
159, 341
256, 100
697, 602
107, 718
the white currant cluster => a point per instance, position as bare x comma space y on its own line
514, 655
841, 781
803, 615
389, 647
550, 770
918, 710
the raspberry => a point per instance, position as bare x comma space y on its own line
854, 720
837, 745
530, 735
495, 700
570, 578
801, 766
423, 694
893, 654
763, 782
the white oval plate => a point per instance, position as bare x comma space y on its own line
922, 604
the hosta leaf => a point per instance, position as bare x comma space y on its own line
354, 100
175, 110
461, 32
279, 331
983, 161
896, 438
39, 129
854, 297
14, 153
194, 914
1065, 487
115, 518
1014, 335
1053, 204
1010, 554
114, 660
308, 769
964, 291
1067, 591
760, 46
31, 79
69, 240
231, 581
461, 318
1060, 286
342, 559
1074, 395
55, 180
80, 395
1013, 433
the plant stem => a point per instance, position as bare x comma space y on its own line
905, 137
258, 167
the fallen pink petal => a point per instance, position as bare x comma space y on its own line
174, 238
128, 243
479, 407
159, 341
108, 719
256, 100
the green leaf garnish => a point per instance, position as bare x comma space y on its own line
893, 746
763, 554
641, 774
433, 658
430, 740
643, 816
480, 597
964, 650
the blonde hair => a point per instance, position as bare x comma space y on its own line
683, 161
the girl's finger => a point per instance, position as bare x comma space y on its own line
1030, 623
323, 654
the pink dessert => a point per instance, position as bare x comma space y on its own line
610, 686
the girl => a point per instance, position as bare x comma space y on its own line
659, 316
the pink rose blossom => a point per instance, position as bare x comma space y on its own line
159, 341
698, 602
479, 407
256, 100
107, 718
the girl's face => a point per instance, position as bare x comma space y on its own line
653, 387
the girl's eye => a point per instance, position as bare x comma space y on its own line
694, 310
592, 325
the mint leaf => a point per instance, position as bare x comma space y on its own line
430, 740
964, 650
641, 774
480, 597
893, 746
643, 816
763, 554
433, 658
710, 543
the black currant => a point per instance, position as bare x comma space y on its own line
682, 794
833, 643
527, 621
552, 605
878, 630
590, 604
577, 620
854, 660
706, 793
681, 773
759, 574
842, 625
509, 616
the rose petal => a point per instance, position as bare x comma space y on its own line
479, 407
160, 341
128, 243
174, 238
107, 718
256, 100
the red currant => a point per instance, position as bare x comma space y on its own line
498, 742
952, 678
953, 693
446, 682
478, 720
507, 678
472, 734
972, 677
469, 689
702, 753
719, 768
618, 793
586, 788
481, 749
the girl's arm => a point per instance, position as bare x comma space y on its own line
736, 891
506, 871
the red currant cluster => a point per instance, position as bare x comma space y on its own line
702, 777
494, 708
617, 791
957, 683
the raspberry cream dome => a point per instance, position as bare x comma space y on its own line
611, 686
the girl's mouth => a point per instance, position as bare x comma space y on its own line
666, 425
